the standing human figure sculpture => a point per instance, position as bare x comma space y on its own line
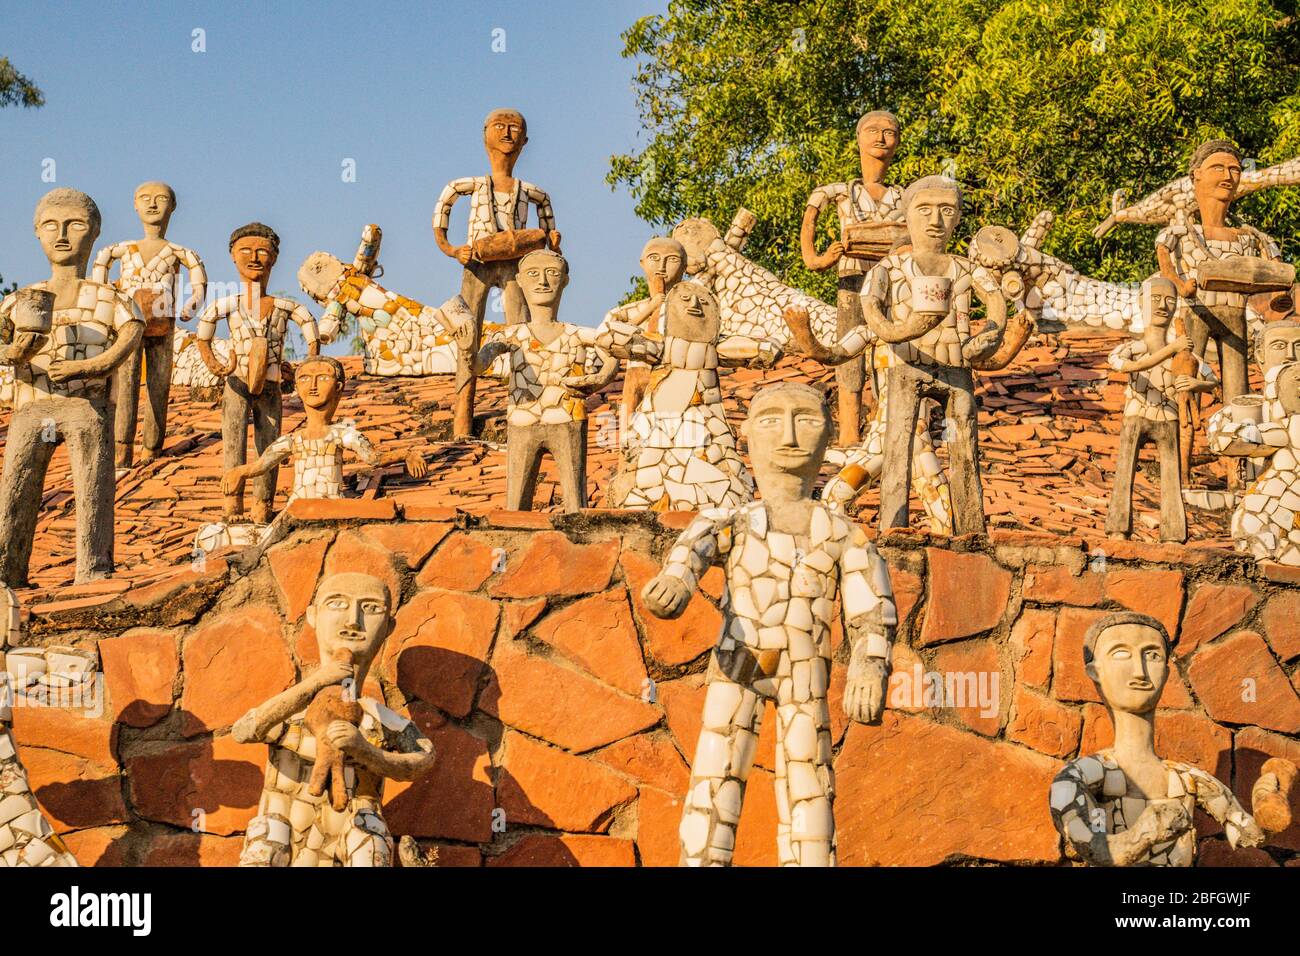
786, 558
1125, 805
70, 334
548, 383
299, 822
663, 260
1151, 410
497, 239
1215, 264
150, 274
258, 323
679, 451
869, 203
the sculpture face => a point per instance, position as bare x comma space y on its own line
319, 274
66, 233
154, 203
254, 257
542, 279
788, 430
317, 385
1130, 665
1159, 301
1288, 389
1280, 345
352, 611
692, 313
1217, 178
505, 132
932, 216
878, 137
665, 258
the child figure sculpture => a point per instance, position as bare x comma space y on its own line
296, 823
150, 273
786, 558
1151, 410
1125, 806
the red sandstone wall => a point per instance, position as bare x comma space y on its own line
524, 653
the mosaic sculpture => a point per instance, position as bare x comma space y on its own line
258, 323
26, 837
69, 335
663, 261
497, 238
549, 380
304, 817
1125, 806
1157, 385
786, 558
870, 220
150, 274
679, 452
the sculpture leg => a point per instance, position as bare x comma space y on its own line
512, 297
365, 841
267, 841
567, 444
805, 781
126, 398
724, 756
86, 427
850, 376
1233, 365
474, 290
27, 456
964, 455
929, 480
268, 409
234, 438
1173, 517
1119, 517
158, 384
903, 387
524, 449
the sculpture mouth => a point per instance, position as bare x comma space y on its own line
1138, 684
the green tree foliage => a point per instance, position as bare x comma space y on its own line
1031, 104
16, 89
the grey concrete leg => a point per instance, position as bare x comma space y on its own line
568, 446
27, 456
474, 290
1119, 517
86, 428
268, 410
512, 297
963, 454
524, 448
1173, 517
126, 398
850, 376
234, 435
158, 384
896, 473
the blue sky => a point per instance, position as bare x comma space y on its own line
259, 126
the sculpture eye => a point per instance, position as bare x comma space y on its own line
1121, 654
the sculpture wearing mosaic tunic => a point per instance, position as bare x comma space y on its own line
294, 826
150, 274
69, 335
786, 558
1125, 806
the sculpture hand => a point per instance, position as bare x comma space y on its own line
332, 672
220, 370
1185, 383
864, 692
25, 345
800, 323
463, 334
415, 465
553, 238
1187, 288
345, 737
666, 596
462, 254
1163, 819
65, 370
232, 482
833, 254
1182, 343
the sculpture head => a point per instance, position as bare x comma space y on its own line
692, 313
1216, 171
254, 249
696, 235
664, 260
542, 277
1127, 656
154, 204
932, 207
878, 135
1159, 301
1278, 344
788, 430
505, 131
67, 224
1286, 385
319, 274
319, 382
352, 612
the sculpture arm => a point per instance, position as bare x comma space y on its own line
1166, 245
413, 754
1218, 801
360, 446
623, 341
1019, 328
875, 292
742, 350
442, 218
981, 346
104, 260
1121, 358
812, 259
203, 342
870, 619
1075, 811
300, 315
255, 726
23, 348
593, 381
233, 480
692, 554
198, 282
129, 334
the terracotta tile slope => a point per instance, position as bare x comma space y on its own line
1050, 425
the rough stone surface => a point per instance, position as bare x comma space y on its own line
1281, 618
439, 646
208, 786
543, 786
676, 641
1212, 610
968, 595
1239, 683
1158, 593
140, 669
553, 565
597, 634
464, 563
296, 569
220, 683
1043, 724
